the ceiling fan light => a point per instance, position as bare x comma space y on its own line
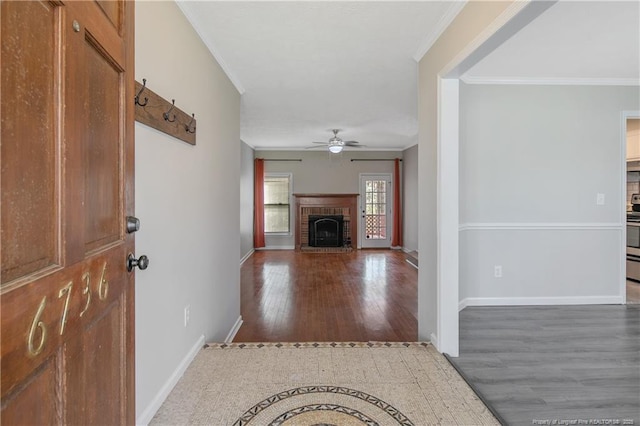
335, 149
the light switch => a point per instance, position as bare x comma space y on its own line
600, 199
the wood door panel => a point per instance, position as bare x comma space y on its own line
89, 299
88, 357
20, 408
103, 198
113, 10
67, 352
29, 94
107, 37
103, 341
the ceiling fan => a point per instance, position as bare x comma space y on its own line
336, 144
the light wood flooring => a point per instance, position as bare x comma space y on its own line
576, 363
365, 295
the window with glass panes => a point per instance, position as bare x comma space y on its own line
276, 203
376, 209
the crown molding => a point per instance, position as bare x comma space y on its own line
212, 49
442, 25
410, 146
247, 144
542, 81
298, 149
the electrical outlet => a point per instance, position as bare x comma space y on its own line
497, 271
187, 312
600, 199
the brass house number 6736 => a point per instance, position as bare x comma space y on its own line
37, 336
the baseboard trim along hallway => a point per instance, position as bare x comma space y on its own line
246, 256
541, 301
164, 392
234, 330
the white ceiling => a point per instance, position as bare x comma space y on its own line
304, 67
591, 42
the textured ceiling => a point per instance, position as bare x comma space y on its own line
308, 67
592, 42
305, 67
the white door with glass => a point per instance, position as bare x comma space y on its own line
375, 210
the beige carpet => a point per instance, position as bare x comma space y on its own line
322, 384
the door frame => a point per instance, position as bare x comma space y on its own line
624, 116
362, 199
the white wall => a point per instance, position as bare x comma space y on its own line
532, 160
187, 198
410, 198
473, 25
246, 200
320, 173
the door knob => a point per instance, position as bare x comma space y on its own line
132, 262
133, 224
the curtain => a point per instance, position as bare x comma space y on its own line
396, 235
258, 203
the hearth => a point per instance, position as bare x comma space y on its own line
345, 205
326, 230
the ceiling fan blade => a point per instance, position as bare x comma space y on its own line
351, 143
314, 147
323, 143
355, 146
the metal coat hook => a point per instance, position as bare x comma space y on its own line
188, 127
166, 114
144, 84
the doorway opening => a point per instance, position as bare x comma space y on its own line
631, 132
375, 205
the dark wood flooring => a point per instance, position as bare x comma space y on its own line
576, 363
365, 295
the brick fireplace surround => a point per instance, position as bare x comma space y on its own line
326, 204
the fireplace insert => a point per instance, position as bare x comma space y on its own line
326, 230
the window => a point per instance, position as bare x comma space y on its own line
277, 212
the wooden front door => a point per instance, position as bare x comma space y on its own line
67, 299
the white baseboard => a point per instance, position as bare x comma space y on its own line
246, 256
165, 390
234, 330
549, 301
434, 341
463, 304
412, 264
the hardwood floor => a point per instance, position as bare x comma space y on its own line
365, 295
554, 362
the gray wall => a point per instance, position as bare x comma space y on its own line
532, 159
318, 172
187, 199
246, 200
410, 198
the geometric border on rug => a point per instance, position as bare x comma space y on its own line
305, 390
314, 408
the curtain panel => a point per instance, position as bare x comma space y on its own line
396, 235
258, 203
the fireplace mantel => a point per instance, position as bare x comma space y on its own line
309, 202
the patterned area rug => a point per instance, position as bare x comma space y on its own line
322, 384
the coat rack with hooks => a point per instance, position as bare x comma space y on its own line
162, 115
